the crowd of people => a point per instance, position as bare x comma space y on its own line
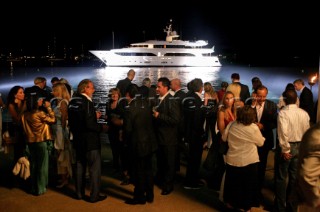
151, 128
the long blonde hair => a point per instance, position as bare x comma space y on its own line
62, 90
222, 106
208, 88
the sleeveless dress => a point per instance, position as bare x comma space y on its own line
215, 163
62, 143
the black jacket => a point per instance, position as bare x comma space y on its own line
138, 128
166, 124
83, 125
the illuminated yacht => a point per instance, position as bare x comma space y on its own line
153, 53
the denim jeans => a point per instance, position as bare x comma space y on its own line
284, 169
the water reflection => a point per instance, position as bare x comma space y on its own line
107, 77
104, 78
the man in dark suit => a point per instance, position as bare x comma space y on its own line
194, 118
124, 83
142, 143
86, 139
179, 96
244, 93
305, 98
166, 119
267, 122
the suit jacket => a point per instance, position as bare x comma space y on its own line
194, 117
244, 93
122, 85
138, 128
88, 137
166, 124
179, 97
269, 121
306, 102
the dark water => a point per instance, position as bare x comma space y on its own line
104, 78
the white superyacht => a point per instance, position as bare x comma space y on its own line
154, 53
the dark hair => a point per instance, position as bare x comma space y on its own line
165, 82
299, 81
235, 76
11, 95
290, 97
54, 79
261, 87
224, 84
255, 79
32, 101
246, 115
256, 83
132, 90
290, 86
197, 84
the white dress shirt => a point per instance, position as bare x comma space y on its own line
293, 122
259, 109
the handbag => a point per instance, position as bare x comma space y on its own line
7, 138
9, 135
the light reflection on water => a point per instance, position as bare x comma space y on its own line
104, 78
107, 77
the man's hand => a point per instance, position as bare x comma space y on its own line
259, 125
286, 156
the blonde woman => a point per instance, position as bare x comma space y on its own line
114, 111
211, 101
61, 133
226, 114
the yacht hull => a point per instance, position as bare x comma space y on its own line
112, 59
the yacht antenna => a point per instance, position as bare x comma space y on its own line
113, 39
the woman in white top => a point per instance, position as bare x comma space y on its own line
241, 181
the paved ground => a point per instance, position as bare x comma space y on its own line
204, 199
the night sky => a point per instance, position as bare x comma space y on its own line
250, 30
